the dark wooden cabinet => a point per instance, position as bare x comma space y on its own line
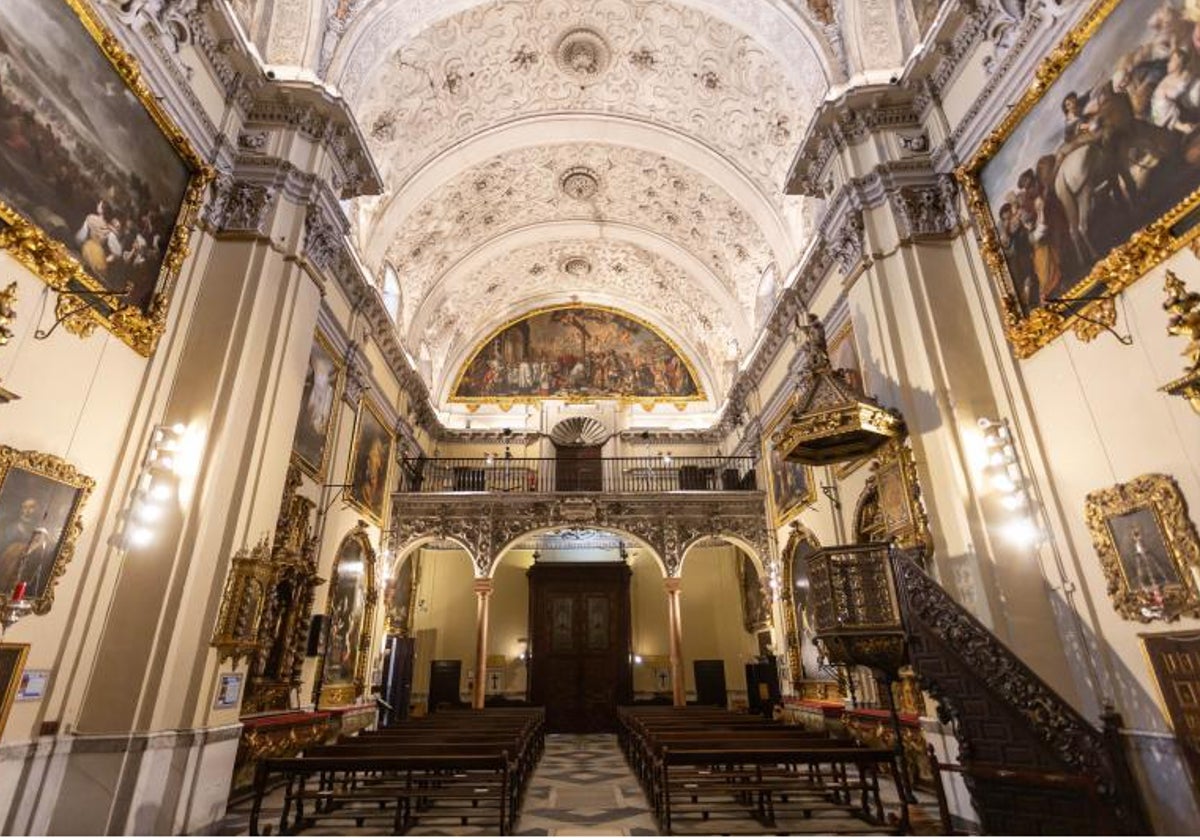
578, 469
396, 690
579, 620
445, 677
710, 682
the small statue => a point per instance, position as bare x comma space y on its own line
815, 347
8, 312
1184, 307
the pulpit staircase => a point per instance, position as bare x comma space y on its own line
1032, 763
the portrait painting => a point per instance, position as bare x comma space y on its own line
572, 352
756, 610
1110, 147
369, 460
91, 167
399, 593
790, 483
317, 403
348, 625
40, 500
1148, 548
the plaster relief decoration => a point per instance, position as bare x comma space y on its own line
40, 500
1091, 179
1148, 548
370, 457
577, 352
97, 187
657, 61
349, 614
580, 181
317, 402
623, 275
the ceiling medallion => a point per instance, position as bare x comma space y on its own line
577, 266
583, 53
580, 183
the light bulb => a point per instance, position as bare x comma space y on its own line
160, 491
147, 513
141, 537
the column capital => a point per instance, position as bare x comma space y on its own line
672, 584
484, 586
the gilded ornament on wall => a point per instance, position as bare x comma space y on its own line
1148, 548
350, 611
1184, 306
1092, 178
98, 189
236, 635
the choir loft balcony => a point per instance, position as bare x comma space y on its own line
605, 476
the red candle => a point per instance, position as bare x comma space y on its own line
19, 591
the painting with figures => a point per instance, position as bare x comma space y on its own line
84, 157
369, 460
1110, 147
316, 408
576, 351
347, 602
791, 485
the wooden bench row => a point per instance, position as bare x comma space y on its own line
712, 771
464, 768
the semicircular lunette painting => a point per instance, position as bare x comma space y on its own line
577, 351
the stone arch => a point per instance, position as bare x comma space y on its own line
642, 543
402, 548
759, 554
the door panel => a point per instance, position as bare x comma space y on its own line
580, 631
579, 469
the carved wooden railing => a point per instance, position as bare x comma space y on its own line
1005, 716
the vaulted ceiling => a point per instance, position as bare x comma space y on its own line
629, 153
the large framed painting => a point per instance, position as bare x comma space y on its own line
98, 189
791, 484
1148, 548
577, 352
350, 612
370, 457
40, 500
321, 385
1093, 177
400, 592
12, 665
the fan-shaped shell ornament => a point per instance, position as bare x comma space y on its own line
579, 431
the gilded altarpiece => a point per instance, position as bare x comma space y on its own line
283, 629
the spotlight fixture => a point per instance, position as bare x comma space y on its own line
167, 474
1004, 476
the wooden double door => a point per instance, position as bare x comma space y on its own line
579, 623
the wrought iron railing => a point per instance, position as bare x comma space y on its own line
651, 474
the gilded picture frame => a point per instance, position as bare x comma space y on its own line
150, 233
12, 665
790, 486
341, 688
370, 463
41, 497
310, 442
1148, 548
795, 594
1058, 235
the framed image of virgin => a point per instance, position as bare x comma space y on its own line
1148, 548
97, 188
40, 500
320, 396
370, 457
350, 611
1093, 177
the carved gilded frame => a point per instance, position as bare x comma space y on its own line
1115, 272
1160, 497
626, 399
317, 471
793, 621
57, 470
46, 257
784, 514
344, 694
376, 517
12, 665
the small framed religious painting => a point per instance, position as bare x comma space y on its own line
40, 500
791, 485
12, 665
1148, 548
98, 189
370, 457
1093, 177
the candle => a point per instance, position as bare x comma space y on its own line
19, 591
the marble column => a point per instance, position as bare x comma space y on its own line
679, 695
483, 597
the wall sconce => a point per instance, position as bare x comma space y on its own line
666, 459
168, 473
1003, 475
